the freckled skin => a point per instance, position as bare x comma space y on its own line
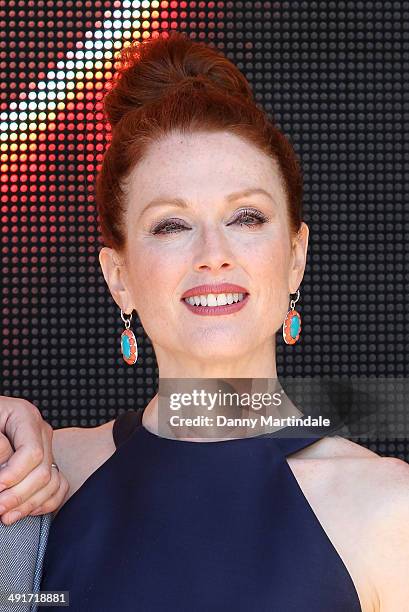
203, 169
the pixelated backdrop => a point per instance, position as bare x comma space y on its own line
333, 75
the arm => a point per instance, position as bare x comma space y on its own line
27, 480
79, 451
28, 483
390, 534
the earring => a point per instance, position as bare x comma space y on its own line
129, 347
292, 323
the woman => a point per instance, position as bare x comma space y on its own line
198, 190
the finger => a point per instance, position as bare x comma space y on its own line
35, 501
6, 450
47, 441
27, 439
38, 479
56, 501
17, 495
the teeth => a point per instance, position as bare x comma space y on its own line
212, 299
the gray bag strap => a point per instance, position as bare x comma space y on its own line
22, 550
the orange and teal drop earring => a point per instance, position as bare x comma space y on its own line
292, 323
129, 347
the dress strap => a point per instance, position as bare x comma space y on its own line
125, 424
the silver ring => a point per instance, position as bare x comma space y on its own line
56, 466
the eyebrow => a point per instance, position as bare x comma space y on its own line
230, 198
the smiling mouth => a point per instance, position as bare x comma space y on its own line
212, 300
225, 303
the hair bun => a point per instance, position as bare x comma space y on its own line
157, 67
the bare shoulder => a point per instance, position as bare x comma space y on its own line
332, 447
381, 481
388, 533
372, 493
369, 523
79, 451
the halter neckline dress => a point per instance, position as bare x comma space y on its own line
167, 525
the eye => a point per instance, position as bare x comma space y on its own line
245, 216
169, 226
253, 214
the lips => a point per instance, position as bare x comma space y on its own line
220, 288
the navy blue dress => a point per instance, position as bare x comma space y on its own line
170, 525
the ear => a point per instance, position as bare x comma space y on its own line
298, 257
114, 271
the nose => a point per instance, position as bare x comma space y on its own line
213, 251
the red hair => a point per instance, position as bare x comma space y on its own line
176, 84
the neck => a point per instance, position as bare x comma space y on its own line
257, 362
214, 409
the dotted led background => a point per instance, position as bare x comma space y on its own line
333, 75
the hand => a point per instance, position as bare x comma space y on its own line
28, 483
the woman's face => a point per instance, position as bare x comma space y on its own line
215, 237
